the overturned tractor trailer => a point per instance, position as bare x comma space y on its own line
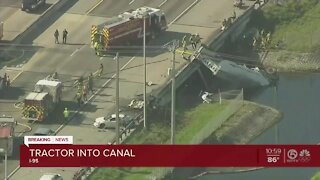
43, 100
127, 28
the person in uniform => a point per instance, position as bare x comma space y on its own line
100, 70
56, 36
66, 114
64, 36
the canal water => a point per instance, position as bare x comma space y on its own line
297, 97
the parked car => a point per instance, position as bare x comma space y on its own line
109, 122
51, 177
30, 5
43, 132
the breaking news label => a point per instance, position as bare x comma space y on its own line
60, 149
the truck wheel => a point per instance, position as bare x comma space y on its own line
101, 126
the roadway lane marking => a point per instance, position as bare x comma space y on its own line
95, 93
78, 49
162, 3
90, 10
75, 51
183, 12
132, 1
16, 76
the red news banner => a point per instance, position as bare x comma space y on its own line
170, 156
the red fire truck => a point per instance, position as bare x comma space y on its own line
127, 29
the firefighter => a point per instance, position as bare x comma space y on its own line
55, 76
197, 39
84, 92
78, 97
100, 71
234, 16
64, 36
90, 83
56, 36
193, 41
66, 114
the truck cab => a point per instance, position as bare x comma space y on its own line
30, 5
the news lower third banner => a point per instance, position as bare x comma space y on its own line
68, 155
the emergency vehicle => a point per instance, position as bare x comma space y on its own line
127, 29
7, 125
1, 30
43, 100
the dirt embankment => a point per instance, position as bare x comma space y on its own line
285, 61
246, 124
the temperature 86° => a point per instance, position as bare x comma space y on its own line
272, 159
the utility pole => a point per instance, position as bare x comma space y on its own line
173, 92
4, 151
116, 58
145, 74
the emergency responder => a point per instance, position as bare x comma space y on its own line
193, 41
84, 92
100, 71
8, 81
56, 36
224, 24
197, 39
234, 16
185, 43
55, 75
254, 44
78, 97
268, 37
5, 80
90, 83
64, 36
66, 114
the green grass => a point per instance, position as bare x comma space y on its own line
188, 125
297, 24
316, 176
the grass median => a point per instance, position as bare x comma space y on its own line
189, 122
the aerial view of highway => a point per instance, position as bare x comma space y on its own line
108, 71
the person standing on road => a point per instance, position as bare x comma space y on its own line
56, 36
84, 92
90, 83
66, 114
5, 80
64, 36
193, 41
78, 96
100, 70
8, 82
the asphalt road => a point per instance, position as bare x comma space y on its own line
70, 61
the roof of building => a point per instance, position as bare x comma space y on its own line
45, 82
36, 96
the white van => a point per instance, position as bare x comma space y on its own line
51, 177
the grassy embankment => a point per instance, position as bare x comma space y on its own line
188, 124
295, 23
316, 176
